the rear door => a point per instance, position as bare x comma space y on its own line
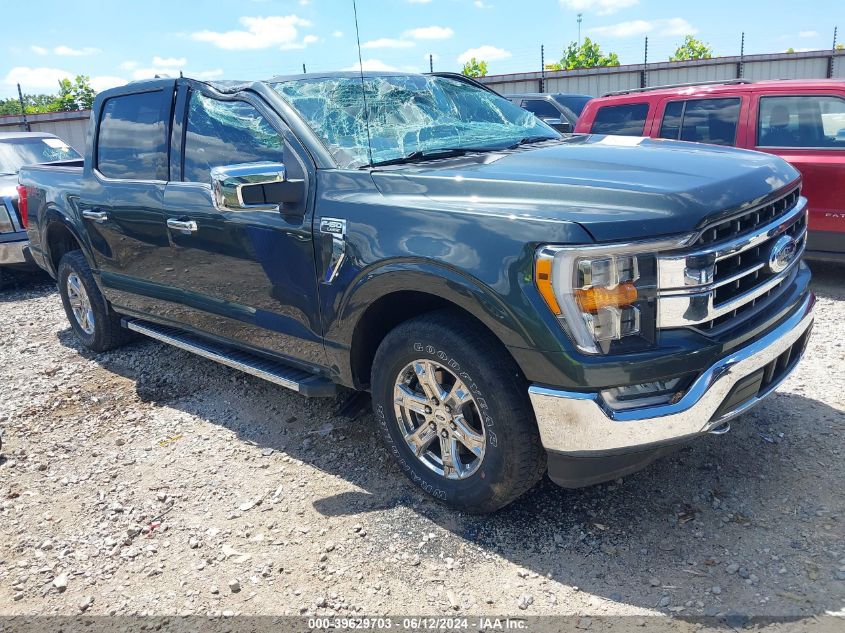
244, 275
713, 120
807, 128
122, 195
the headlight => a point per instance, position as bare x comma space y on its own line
603, 294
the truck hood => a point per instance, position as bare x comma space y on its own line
616, 187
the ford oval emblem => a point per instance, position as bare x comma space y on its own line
782, 254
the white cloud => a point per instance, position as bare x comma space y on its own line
808, 33
430, 33
310, 39
169, 61
418, 1
36, 78
480, 4
280, 31
634, 28
486, 53
149, 73
387, 42
104, 82
129, 65
67, 51
602, 7
372, 64
337, 34
39, 50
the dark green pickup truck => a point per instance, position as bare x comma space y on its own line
515, 300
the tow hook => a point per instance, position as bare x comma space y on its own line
721, 429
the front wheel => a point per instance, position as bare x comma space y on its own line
454, 411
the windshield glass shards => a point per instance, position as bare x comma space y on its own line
408, 116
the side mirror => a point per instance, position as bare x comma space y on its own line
254, 187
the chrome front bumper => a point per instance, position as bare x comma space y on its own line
582, 423
13, 253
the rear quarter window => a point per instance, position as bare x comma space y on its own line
626, 120
701, 120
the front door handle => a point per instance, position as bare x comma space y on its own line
182, 226
95, 216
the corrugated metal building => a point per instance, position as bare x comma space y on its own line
599, 81
71, 127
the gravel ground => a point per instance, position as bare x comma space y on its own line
149, 481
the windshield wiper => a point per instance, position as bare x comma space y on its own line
528, 140
429, 154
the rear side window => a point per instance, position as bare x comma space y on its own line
541, 108
627, 120
226, 133
701, 120
816, 121
132, 142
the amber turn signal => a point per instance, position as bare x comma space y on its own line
543, 280
594, 299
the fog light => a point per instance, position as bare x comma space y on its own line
644, 394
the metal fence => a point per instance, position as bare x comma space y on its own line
599, 81
71, 127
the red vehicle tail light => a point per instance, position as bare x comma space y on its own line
23, 206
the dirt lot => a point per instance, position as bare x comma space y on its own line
147, 480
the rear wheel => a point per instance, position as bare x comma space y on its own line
96, 325
454, 411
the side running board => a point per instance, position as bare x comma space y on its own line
278, 373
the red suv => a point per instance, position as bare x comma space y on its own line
802, 121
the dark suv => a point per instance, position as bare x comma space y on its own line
561, 111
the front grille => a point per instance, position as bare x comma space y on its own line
746, 223
727, 277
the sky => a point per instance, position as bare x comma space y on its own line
118, 41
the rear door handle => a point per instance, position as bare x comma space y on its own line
183, 226
95, 216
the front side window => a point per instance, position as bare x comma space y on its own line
701, 120
816, 121
132, 142
625, 120
406, 114
15, 152
226, 133
541, 108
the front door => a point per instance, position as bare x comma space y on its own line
248, 275
808, 130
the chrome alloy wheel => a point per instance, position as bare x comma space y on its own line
80, 304
439, 419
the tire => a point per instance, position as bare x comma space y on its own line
500, 456
97, 327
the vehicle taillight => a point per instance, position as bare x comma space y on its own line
23, 206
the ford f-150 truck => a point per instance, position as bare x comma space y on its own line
514, 300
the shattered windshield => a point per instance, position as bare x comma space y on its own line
408, 114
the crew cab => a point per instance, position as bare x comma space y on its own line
802, 121
514, 300
18, 149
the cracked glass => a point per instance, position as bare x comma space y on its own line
406, 114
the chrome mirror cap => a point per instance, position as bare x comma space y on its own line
235, 186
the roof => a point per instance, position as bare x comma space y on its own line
727, 87
7, 135
546, 95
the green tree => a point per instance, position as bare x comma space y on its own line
790, 50
840, 46
76, 95
692, 49
475, 68
587, 55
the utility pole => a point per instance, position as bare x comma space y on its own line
23, 110
431, 62
542, 68
580, 15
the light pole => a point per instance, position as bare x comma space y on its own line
579, 29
